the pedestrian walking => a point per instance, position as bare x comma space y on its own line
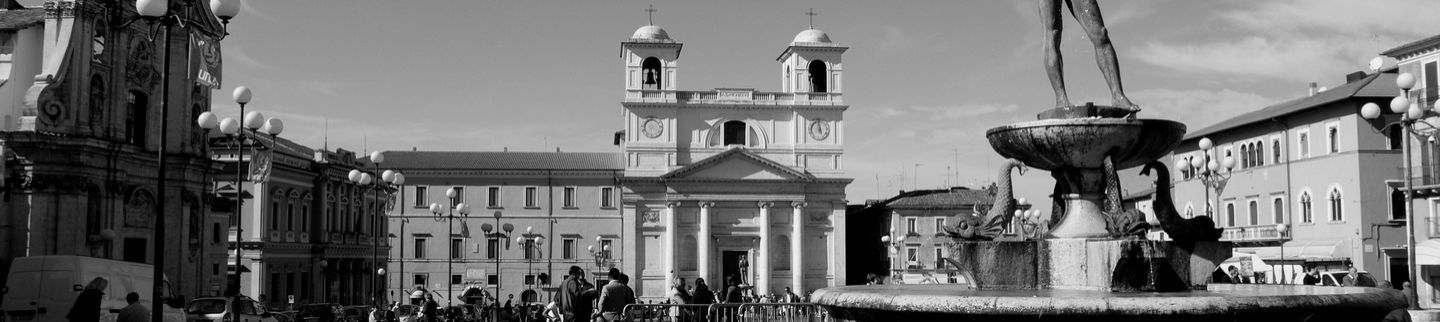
678, 295
87, 304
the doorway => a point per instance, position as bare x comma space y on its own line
1399, 272
731, 265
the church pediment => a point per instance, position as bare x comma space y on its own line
737, 164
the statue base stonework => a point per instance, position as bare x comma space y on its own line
1122, 265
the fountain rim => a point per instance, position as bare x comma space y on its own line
1081, 122
1182, 303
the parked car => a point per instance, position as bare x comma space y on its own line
355, 313
43, 288
219, 309
407, 313
319, 312
1335, 278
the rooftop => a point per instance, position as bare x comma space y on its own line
17, 19
1380, 84
943, 199
503, 160
1409, 48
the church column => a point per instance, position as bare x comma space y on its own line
703, 241
670, 238
797, 243
762, 261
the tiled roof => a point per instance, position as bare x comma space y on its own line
956, 198
1380, 84
503, 160
21, 18
1412, 46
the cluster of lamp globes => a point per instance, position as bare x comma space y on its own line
1206, 164
598, 239
1400, 105
224, 9
253, 121
387, 176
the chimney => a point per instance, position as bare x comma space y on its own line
1352, 77
1312, 88
413, 149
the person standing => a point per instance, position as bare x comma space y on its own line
87, 304
615, 296
1352, 279
431, 310
1312, 277
569, 290
678, 295
733, 292
790, 296
135, 312
701, 295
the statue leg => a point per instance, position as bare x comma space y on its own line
1087, 12
1054, 67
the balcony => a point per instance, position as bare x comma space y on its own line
289, 236
274, 237
1258, 234
733, 96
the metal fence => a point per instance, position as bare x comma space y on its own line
726, 312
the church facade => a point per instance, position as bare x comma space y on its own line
733, 182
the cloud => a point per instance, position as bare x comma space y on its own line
1258, 40
236, 53
1197, 108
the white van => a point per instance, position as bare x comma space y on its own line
43, 288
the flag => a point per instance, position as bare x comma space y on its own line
260, 165
464, 229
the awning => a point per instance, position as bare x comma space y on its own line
1308, 250
1427, 252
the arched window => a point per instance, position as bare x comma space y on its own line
1259, 153
137, 108
1244, 156
1337, 212
1230, 214
650, 73
1397, 204
1275, 150
1189, 211
1279, 210
1307, 214
734, 132
1254, 212
817, 76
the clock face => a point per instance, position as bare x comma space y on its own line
819, 130
652, 128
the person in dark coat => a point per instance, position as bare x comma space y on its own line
734, 293
702, 294
1313, 277
431, 310
570, 289
87, 304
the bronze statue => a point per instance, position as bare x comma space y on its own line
1087, 12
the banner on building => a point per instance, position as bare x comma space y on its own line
260, 165
204, 60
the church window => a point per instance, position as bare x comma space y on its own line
817, 76
650, 72
135, 119
734, 132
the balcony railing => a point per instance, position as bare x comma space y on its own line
735, 95
1258, 233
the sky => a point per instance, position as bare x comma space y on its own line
925, 78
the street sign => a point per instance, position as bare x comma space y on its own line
290, 299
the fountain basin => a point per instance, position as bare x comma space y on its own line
1074, 151
1221, 302
1083, 143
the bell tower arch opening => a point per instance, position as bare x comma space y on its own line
817, 76
651, 71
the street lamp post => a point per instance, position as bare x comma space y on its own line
325, 279
364, 179
496, 229
1210, 171
158, 13
895, 244
600, 253
255, 123
449, 233
1411, 113
1280, 230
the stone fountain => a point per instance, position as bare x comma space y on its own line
1093, 263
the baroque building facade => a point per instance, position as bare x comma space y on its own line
733, 182
82, 123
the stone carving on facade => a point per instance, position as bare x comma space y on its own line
97, 104
652, 216
140, 209
140, 67
819, 217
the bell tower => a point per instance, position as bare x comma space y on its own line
811, 64
650, 57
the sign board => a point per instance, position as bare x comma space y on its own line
290, 299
